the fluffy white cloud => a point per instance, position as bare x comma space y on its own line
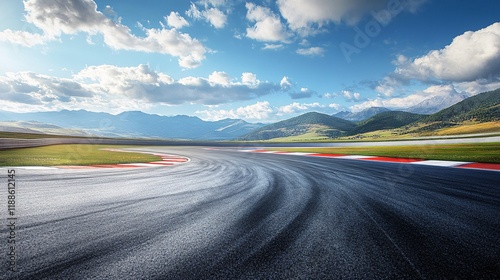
26, 91
267, 27
250, 79
117, 78
219, 78
52, 18
335, 106
212, 15
66, 17
470, 56
23, 38
193, 81
307, 16
258, 111
479, 85
349, 95
330, 95
471, 64
394, 103
194, 12
296, 107
273, 46
285, 83
216, 17
312, 51
128, 87
41, 86
389, 86
175, 20
263, 111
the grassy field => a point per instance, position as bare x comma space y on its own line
486, 127
70, 154
480, 152
306, 137
404, 133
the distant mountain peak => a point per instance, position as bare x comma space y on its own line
232, 124
138, 124
361, 115
436, 103
481, 107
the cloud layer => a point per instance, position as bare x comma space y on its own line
209, 12
125, 87
255, 112
401, 103
267, 25
470, 64
306, 17
472, 55
55, 18
264, 111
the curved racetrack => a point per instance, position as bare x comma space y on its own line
227, 214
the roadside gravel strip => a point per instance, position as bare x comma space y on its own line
441, 163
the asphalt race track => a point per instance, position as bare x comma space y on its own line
232, 215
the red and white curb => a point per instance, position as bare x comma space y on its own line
441, 163
166, 160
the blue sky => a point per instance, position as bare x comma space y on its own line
260, 61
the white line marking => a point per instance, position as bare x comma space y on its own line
142, 164
443, 163
354, 157
297, 154
35, 167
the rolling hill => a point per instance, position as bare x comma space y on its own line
481, 108
315, 124
480, 113
387, 120
39, 128
477, 114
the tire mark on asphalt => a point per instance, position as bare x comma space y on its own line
81, 258
287, 235
247, 216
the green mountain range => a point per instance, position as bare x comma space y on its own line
476, 114
386, 120
311, 122
482, 108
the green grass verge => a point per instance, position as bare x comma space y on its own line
70, 154
480, 152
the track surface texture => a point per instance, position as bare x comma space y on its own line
233, 215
